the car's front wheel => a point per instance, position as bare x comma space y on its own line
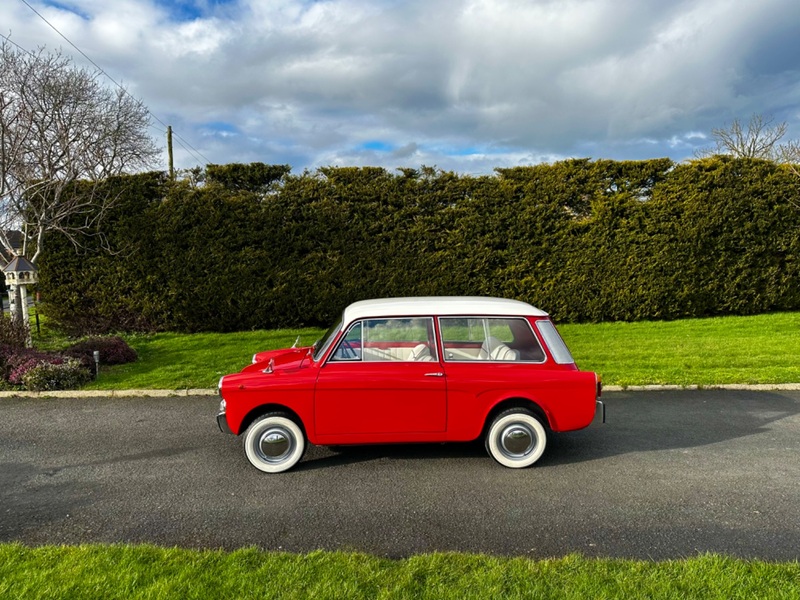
274, 443
516, 438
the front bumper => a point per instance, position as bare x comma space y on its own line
222, 423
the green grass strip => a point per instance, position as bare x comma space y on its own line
753, 349
182, 360
149, 572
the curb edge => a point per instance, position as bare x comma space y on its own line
184, 393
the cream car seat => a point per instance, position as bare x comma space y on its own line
421, 353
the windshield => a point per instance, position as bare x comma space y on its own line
321, 345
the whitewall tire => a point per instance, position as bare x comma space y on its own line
516, 438
274, 443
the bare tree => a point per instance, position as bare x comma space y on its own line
759, 139
789, 155
60, 126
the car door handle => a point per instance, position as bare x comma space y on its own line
434, 374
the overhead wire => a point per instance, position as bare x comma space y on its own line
13, 43
178, 141
179, 138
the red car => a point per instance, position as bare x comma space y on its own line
401, 370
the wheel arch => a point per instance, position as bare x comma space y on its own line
516, 402
263, 409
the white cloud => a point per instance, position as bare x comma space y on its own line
309, 82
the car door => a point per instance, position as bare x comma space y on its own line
384, 377
487, 359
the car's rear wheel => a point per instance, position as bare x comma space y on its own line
274, 443
516, 438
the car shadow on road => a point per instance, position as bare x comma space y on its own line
668, 420
637, 422
323, 457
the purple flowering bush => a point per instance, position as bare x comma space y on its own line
17, 362
113, 351
35, 370
65, 375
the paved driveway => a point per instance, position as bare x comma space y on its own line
670, 475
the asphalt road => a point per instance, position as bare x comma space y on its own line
671, 474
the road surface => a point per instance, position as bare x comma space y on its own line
671, 474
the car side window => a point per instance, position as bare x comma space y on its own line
401, 339
395, 340
489, 339
349, 348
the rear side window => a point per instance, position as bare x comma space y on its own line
489, 339
553, 340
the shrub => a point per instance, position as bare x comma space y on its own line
18, 361
113, 351
67, 375
12, 333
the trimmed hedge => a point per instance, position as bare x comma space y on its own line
257, 247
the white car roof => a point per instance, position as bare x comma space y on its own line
472, 306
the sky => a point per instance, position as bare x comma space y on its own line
462, 85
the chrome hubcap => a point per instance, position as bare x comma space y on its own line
275, 444
516, 440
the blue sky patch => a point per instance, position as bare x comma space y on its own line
221, 127
191, 10
377, 146
68, 8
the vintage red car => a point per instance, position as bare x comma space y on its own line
402, 370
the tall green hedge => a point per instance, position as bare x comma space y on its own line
259, 247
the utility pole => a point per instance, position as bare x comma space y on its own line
169, 152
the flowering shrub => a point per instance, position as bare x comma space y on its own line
113, 351
37, 370
66, 375
18, 361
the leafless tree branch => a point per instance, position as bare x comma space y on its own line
60, 126
758, 139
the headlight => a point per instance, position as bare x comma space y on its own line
254, 361
219, 385
222, 405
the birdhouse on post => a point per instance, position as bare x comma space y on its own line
20, 273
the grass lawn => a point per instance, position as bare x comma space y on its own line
756, 349
132, 572
177, 361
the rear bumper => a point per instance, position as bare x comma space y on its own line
600, 408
